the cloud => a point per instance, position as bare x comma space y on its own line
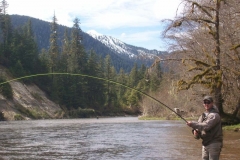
135, 22
128, 13
101, 14
140, 36
146, 39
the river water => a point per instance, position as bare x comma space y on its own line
125, 138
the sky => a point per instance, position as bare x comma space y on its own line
135, 22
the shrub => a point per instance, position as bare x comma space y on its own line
18, 117
6, 89
39, 114
82, 113
24, 111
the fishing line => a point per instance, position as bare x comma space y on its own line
99, 78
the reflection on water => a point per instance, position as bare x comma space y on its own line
106, 139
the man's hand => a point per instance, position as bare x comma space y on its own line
195, 132
189, 123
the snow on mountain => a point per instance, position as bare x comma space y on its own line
123, 48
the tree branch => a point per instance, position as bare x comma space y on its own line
235, 47
202, 8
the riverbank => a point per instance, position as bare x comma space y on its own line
235, 128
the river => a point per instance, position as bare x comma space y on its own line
125, 138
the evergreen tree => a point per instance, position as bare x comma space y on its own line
4, 21
24, 51
143, 83
155, 77
3, 7
42, 67
110, 74
5, 33
142, 72
77, 64
78, 55
65, 53
96, 88
54, 56
131, 95
112, 88
122, 78
30, 58
64, 81
133, 76
54, 48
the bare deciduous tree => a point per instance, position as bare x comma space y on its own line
206, 37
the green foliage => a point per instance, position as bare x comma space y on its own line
53, 49
82, 113
95, 88
39, 114
24, 111
133, 77
6, 89
18, 117
78, 55
17, 70
31, 113
133, 98
232, 127
24, 52
208, 77
6, 37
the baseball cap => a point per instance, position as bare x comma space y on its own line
208, 98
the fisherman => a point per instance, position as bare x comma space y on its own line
209, 129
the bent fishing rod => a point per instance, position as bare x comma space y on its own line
99, 78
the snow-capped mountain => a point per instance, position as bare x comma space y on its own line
123, 48
122, 55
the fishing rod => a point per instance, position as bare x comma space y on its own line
99, 78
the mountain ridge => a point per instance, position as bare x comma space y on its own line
122, 47
122, 55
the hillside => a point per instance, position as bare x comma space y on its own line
29, 102
122, 55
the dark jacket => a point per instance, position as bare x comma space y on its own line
209, 126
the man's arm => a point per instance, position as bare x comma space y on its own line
212, 120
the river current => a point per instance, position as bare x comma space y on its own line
125, 138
